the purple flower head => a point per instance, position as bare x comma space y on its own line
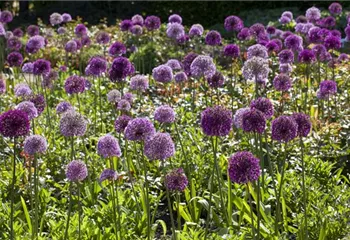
108, 146
124, 105
14, 123
203, 65
216, 121
164, 114
282, 82
76, 171
328, 88
187, 61
180, 77
121, 122
120, 69
217, 80
233, 23
343, 57
137, 20
347, 33
139, 83
114, 96
253, 121
301, 19
256, 69
29, 108
284, 20
72, 124
80, 30
183, 39
96, 66
238, 117
41, 67
264, 105
213, 38
2, 86
56, 19
270, 29
196, 30
136, 30
307, 56
176, 180
243, 167
6, 16
35, 144
175, 30
314, 35
175, 18
303, 124
49, 78
332, 42
313, 14
63, 68
159, 146
85, 41
39, 102
108, 174
284, 129
320, 51
139, 129
231, 50
257, 29
28, 67
125, 25
66, 17
272, 46
117, 49
129, 97
74, 84
63, 107
33, 30
327, 22
14, 59
61, 30
152, 23
244, 34
71, 46
294, 42
257, 50
336, 33
2, 30
287, 14
174, 64
14, 43
102, 37
22, 90
162, 73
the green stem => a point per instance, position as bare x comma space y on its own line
79, 213
69, 211
280, 187
146, 194
114, 210
36, 226
304, 189
251, 211
178, 211
12, 237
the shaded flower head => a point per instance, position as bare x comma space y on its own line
332, 42
303, 124
117, 49
253, 121
39, 102
120, 69
74, 84
282, 82
125, 25
159, 146
180, 77
71, 46
41, 67
174, 64
231, 50
284, 129
15, 59
56, 19
175, 30
6, 16
162, 73
238, 117
136, 30
187, 61
196, 30
72, 124
216, 121
294, 42
102, 37
175, 18
152, 23
233, 23
108, 146
80, 30
96, 66
307, 56
139, 129
66, 17
164, 114
137, 20
63, 107
14, 43
244, 34
28, 67
76, 171
243, 167
35, 144
328, 88
286, 56
217, 80
29, 108
14, 123
257, 50
108, 174
264, 105
176, 180
121, 122
124, 105
213, 38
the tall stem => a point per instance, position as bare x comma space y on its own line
251, 211
146, 194
170, 208
36, 197
178, 211
280, 187
69, 211
79, 213
304, 189
12, 237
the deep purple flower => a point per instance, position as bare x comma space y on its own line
120, 69
196, 30
164, 114
41, 67
117, 49
282, 82
233, 23
314, 35
76, 171
257, 29
180, 77
63, 107
18, 32
231, 50
176, 180
14, 123
74, 84
328, 88
313, 14
61, 30
213, 38
303, 124
162, 73
307, 56
294, 42
347, 33
175, 30
253, 121
125, 25
123, 105
102, 37
264, 105
56, 19
187, 61
244, 34
216, 121
203, 65
343, 57
49, 78
137, 20
332, 42
152, 23
174, 64
108, 174
96, 66
85, 41
72, 124
284, 20
159, 146
39, 102
35, 144
243, 167
71, 46
320, 52
139, 83
272, 46
217, 80
14, 59
14, 43
238, 117
22, 90
327, 22
270, 29
139, 129
108, 146
175, 18
121, 122
183, 39
284, 129
80, 30
6, 16
66, 17
29, 108
33, 30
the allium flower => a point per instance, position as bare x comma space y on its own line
2, 86
301, 19
327, 22
124, 105
187, 61
238, 117
15, 59
162, 73
174, 64
29, 108
306, 56
347, 33
96, 66
72, 124
256, 69
231, 50
332, 42
152, 23
264, 105
125, 25
294, 42
76, 171
121, 122
244, 34
243, 167
6, 16
63, 107
257, 50
66, 17
196, 30
2, 30
74, 84
320, 52
139, 83
129, 97
71, 46
28, 67
137, 20
253, 121
61, 30
313, 14
175, 18
33, 30
303, 124
270, 29
35, 144
164, 114
80, 30
314, 35
284, 20
117, 49
39, 102
22, 90
114, 96
176, 180
217, 80
136, 30
213, 38
286, 56
41, 67
120, 69
328, 88
284, 129
287, 14
14, 123
282, 82
139, 129
14, 43
257, 29
175, 30
108, 174
272, 46
108, 146
49, 78
233, 23
203, 66
180, 77
159, 146
343, 57
216, 121
56, 19
85, 41
102, 37
35, 43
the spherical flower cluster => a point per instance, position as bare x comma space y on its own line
180, 77
152, 23
217, 80
121, 122
196, 30
128, 97
66, 17
39, 102
61, 30
29, 108
139, 83
114, 96
56, 19
41, 67
22, 90
96, 66
2, 86
33, 30
124, 105
162, 73
136, 30
80, 30
15, 59
63, 107
187, 61
284, 20
243, 167
35, 144
28, 67
108, 174
313, 14
256, 69
213, 38
301, 19
76, 171
137, 20
253, 121
282, 82
14, 123
257, 30
343, 57
164, 114
332, 42
233, 23
244, 34
264, 105
320, 52
327, 88
35, 43
159, 146
74, 84
14, 43
17, 32
327, 22
307, 56
284, 129
231, 50
139, 129
117, 49
6, 16
201, 66
49, 78
271, 30
125, 25
286, 56
238, 117
303, 124
71, 46
294, 42
175, 18
108, 146
102, 37
174, 64
216, 121
176, 180
175, 30
272, 46
72, 124
257, 50
120, 69
85, 41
